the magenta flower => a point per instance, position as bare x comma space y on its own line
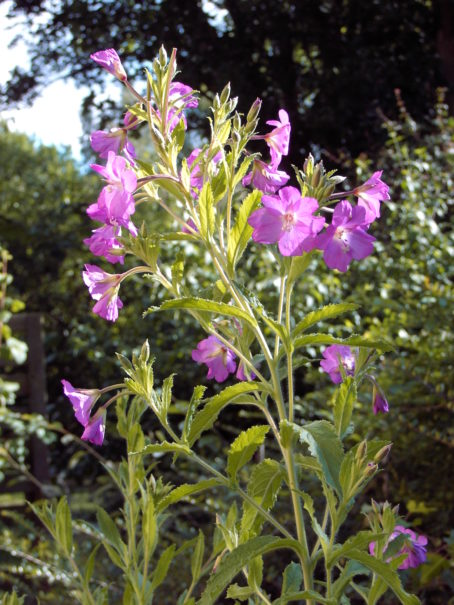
180, 98
414, 547
241, 374
346, 238
265, 177
103, 288
219, 359
95, 430
190, 228
109, 60
370, 194
279, 138
82, 401
380, 403
115, 203
104, 241
195, 163
334, 357
286, 219
116, 141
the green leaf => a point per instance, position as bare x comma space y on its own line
388, 575
353, 341
197, 395
206, 211
184, 491
63, 526
241, 231
110, 531
292, 579
17, 350
241, 172
205, 418
263, 486
352, 569
298, 265
197, 556
162, 567
326, 447
201, 304
328, 312
343, 406
242, 593
234, 562
244, 447
163, 448
166, 397
360, 541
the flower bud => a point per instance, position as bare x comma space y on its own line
254, 111
225, 94
236, 122
383, 454
370, 469
163, 56
361, 451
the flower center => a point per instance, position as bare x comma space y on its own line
288, 221
341, 236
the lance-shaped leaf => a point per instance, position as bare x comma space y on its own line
163, 448
233, 563
197, 556
326, 447
263, 486
387, 574
110, 532
328, 312
353, 341
162, 567
63, 526
358, 542
205, 418
209, 306
244, 447
185, 491
343, 406
241, 231
206, 211
194, 402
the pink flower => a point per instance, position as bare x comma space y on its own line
380, 403
104, 241
190, 228
219, 359
370, 194
414, 547
116, 141
287, 219
82, 401
103, 288
279, 138
334, 357
95, 430
115, 203
241, 375
346, 238
196, 161
265, 177
109, 60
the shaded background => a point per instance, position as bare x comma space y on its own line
335, 67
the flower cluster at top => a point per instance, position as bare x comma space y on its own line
296, 223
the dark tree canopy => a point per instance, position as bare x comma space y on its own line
332, 64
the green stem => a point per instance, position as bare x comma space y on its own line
279, 313
289, 355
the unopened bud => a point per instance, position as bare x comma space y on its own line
232, 104
163, 56
382, 454
254, 111
361, 451
225, 94
370, 469
216, 102
308, 165
236, 122
315, 180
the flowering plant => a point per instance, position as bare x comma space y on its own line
222, 198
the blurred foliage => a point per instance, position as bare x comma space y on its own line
309, 57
